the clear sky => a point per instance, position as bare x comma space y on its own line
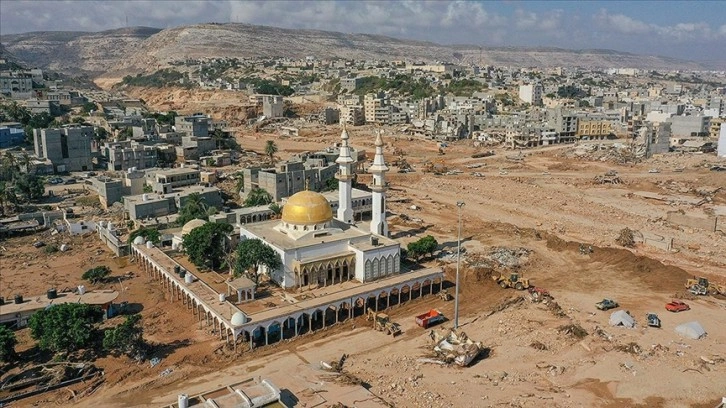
684, 29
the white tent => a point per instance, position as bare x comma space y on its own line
622, 318
692, 330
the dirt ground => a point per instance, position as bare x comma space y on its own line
548, 204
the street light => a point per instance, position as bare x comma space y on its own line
459, 204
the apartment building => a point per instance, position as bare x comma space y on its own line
125, 155
531, 94
68, 148
593, 129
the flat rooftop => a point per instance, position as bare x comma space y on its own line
266, 231
330, 297
176, 171
97, 297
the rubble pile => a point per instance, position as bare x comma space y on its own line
615, 153
626, 238
508, 258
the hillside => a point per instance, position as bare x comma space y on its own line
115, 53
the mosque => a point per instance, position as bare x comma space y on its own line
319, 249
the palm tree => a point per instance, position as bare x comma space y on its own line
270, 150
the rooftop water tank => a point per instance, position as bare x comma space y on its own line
52, 293
188, 278
222, 297
145, 197
183, 401
149, 244
139, 240
81, 289
18, 299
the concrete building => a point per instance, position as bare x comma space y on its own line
112, 190
352, 115
683, 126
656, 137
125, 155
722, 143
592, 129
272, 106
375, 109
195, 125
68, 148
37, 106
164, 181
11, 135
349, 84
531, 94
13, 83
311, 171
153, 205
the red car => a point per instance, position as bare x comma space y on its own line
677, 306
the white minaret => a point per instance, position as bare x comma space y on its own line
345, 180
378, 169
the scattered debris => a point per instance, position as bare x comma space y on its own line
574, 330
538, 345
631, 348
626, 238
455, 347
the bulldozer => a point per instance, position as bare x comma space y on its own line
512, 281
445, 295
383, 323
702, 286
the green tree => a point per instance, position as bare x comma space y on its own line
88, 107
7, 343
29, 186
149, 234
194, 207
424, 246
270, 150
100, 133
97, 274
206, 245
126, 338
331, 184
253, 253
64, 327
276, 208
257, 196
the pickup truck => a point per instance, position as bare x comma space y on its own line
606, 304
429, 318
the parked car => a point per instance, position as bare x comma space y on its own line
70, 181
677, 306
652, 319
607, 304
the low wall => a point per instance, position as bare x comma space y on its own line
707, 224
658, 241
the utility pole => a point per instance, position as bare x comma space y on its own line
459, 204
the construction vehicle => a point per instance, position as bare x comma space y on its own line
383, 323
444, 295
702, 286
429, 318
512, 281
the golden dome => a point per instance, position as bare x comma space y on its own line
307, 208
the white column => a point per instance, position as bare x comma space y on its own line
378, 190
345, 180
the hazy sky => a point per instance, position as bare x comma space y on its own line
691, 30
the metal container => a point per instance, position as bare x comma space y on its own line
52, 293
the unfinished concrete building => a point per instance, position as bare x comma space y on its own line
68, 148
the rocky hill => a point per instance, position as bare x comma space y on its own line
115, 53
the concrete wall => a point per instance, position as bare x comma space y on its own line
658, 241
707, 224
